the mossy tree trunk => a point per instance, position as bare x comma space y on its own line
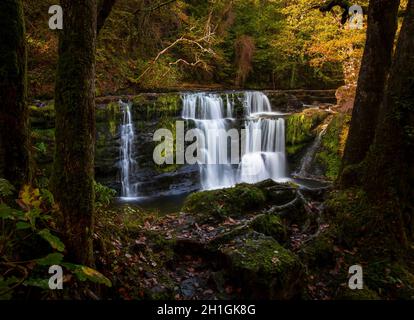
14, 128
376, 61
73, 175
389, 167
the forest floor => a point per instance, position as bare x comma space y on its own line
184, 256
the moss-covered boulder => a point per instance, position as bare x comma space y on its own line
262, 267
222, 203
319, 252
277, 193
240, 200
270, 225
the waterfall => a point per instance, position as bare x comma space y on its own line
127, 162
263, 154
257, 103
306, 162
207, 111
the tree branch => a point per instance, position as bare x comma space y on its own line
179, 40
343, 4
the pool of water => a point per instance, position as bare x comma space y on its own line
167, 204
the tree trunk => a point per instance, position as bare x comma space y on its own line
389, 167
14, 128
73, 174
376, 61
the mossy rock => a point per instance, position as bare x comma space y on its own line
277, 193
358, 294
270, 225
156, 106
109, 112
223, 203
319, 252
329, 155
262, 267
301, 129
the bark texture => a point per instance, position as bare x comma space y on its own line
14, 128
73, 175
389, 167
376, 62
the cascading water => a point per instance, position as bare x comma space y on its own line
263, 155
207, 111
257, 103
127, 162
306, 162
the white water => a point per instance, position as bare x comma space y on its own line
263, 155
127, 163
207, 111
307, 160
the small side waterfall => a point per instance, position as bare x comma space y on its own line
306, 162
127, 162
263, 149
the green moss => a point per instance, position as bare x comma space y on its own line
295, 149
330, 153
319, 252
263, 267
270, 225
363, 294
230, 202
169, 124
155, 107
110, 112
390, 279
301, 129
159, 243
42, 117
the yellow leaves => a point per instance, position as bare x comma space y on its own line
84, 273
29, 198
90, 272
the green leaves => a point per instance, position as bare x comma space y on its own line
53, 240
37, 282
6, 188
22, 225
84, 273
11, 214
51, 259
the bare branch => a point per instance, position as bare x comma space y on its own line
196, 42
